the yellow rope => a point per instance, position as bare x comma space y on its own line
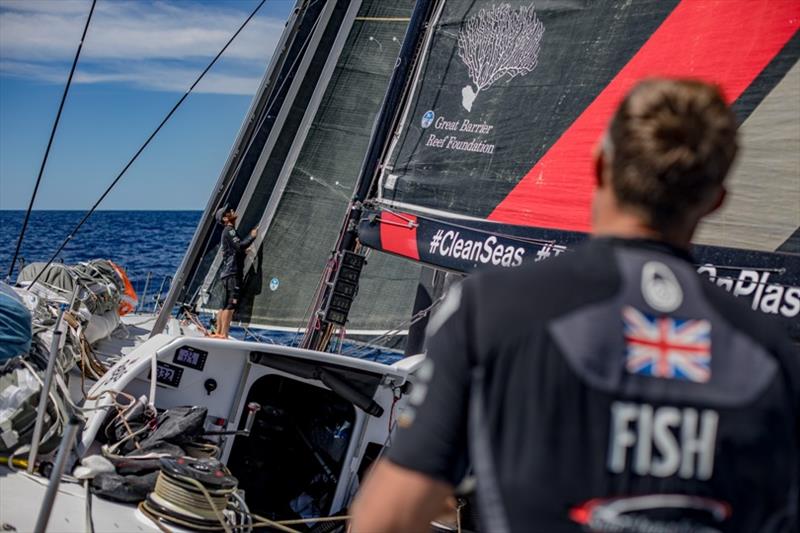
19, 463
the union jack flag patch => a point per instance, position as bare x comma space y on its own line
667, 347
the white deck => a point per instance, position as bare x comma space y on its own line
21, 494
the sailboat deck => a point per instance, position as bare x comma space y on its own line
69, 511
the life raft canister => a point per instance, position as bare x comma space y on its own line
129, 300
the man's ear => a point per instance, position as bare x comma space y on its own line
599, 161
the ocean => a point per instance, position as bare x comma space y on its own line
141, 242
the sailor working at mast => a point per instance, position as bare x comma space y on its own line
611, 388
230, 273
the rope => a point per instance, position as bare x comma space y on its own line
374, 342
50, 143
173, 493
313, 520
146, 143
190, 498
205, 507
20, 463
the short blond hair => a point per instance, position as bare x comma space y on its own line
672, 143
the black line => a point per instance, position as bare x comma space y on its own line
50, 143
141, 149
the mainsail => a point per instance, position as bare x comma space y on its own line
491, 159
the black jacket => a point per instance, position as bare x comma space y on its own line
610, 389
233, 248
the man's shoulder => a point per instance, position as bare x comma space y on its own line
581, 275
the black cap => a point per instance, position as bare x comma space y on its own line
220, 213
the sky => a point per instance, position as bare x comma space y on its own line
138, 58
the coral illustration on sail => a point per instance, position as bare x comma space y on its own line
496, 43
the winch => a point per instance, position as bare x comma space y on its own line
192, 493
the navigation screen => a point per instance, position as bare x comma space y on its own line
169, 375
190, 357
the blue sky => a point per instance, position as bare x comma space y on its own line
138, 59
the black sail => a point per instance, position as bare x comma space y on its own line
300, 175
491, 160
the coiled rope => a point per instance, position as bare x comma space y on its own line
186, 502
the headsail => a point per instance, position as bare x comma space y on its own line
238, 169
320, 183
299, 169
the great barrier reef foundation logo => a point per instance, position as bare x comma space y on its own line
496, 43
427, 119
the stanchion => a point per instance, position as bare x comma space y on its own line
44, 397
140, 307
64, 452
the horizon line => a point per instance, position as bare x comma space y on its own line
98, 210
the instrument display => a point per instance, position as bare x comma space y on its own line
169, 375
190, 357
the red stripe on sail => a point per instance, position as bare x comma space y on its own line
396, 235
728, 42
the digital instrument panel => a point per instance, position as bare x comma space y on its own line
190, 357
169, 375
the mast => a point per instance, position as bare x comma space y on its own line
323, 321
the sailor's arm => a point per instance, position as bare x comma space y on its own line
408, 488
238, 243
396, 499
247, 241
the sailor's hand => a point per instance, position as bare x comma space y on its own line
254, 232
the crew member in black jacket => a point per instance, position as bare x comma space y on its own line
611, 389
230, 273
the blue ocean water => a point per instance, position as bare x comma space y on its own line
138, 241
141, 242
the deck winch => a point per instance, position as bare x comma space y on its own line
192, 493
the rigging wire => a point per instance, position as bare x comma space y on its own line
50, 143
146, 143
375, 342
